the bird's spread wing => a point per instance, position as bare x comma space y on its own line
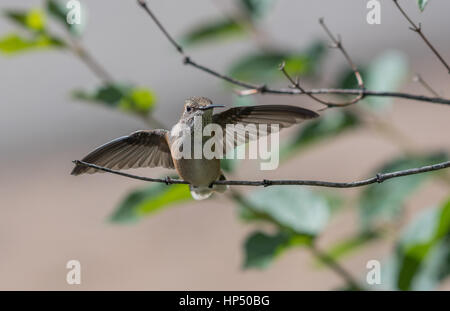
283, 115
140, 149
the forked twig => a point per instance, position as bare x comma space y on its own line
337, 43
251, 89
418, 30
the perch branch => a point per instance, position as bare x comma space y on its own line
379, 178
418, 30
250, 88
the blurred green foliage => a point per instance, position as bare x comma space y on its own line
352, 244
257, 8
125, 97
234, 26
137, 100
213, 31
149, 200
14, 43
262, 248
300, 211
384, 202
422, 4
387, 72
422, 255
262, 66
328, 126
34, 35
33, 20
58, 10
298, 214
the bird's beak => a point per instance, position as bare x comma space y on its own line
210, 107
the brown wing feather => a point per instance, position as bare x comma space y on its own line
264, 114
139, 149
283, 115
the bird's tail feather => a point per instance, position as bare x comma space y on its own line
202, 193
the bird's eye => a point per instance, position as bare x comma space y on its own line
188, 109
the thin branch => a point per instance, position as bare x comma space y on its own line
418, 78
366, 93
91, 63
336, 267
144, 5
167, 180
379, 178
418, 30
102, 74
259, 88
296, 84
187, 60
338, 44
251, 88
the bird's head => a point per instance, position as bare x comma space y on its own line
198, 107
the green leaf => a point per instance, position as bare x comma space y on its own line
298, 210
383, 202
261, 249
33, 20
109, 94
386, 73
347, 79
422, 4
139, 100
14, 43
257, 8
328, 126
228, 165
349, 245
150, 200
260, 66
412, 259
423, 251
213, 31
58, 10
263, 66
240, 101
335, 201
128, 98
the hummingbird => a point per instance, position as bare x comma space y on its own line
156, 147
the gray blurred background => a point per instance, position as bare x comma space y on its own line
48, 217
